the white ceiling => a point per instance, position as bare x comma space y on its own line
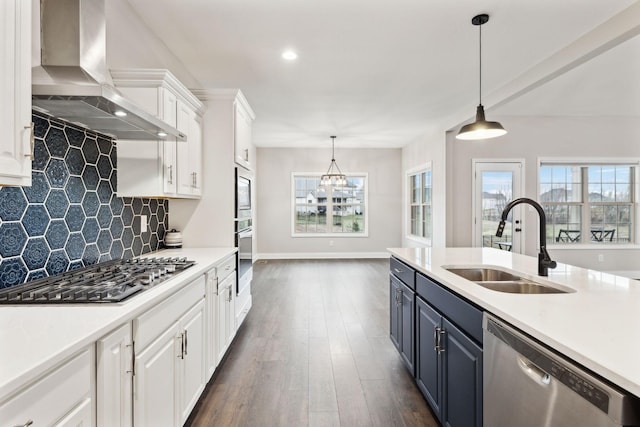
381, 73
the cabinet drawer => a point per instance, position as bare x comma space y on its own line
151, 324
467, 316
53, 398
226, 267
403, 272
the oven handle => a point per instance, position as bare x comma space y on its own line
247, 232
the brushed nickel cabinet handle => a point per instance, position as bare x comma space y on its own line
32, 146
441, 348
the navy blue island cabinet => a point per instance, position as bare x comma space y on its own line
447, 343
402, 311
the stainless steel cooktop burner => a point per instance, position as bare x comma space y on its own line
111, 281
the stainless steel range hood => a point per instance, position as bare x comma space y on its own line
76, 85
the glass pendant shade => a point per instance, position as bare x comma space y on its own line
481, 128
334, 175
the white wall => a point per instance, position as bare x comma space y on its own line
531, 138
131, 44
417, 154
273, 196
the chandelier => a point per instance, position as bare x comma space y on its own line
334, 175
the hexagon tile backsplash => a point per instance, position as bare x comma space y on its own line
70, 217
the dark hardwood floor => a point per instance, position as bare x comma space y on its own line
314, 350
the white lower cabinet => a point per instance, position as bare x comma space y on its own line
63, 397
226, 314
114, 378
170, 357
211, 299
155, 398
192, 372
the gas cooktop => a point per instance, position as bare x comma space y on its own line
111, 281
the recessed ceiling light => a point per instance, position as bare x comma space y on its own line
289, 55
120, 113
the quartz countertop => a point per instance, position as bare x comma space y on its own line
597, 326
35, 338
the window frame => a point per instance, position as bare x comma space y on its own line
586, 205
329, 206
424, 238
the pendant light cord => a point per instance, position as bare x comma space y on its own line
480, 65
333, 148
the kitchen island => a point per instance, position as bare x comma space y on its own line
597, 326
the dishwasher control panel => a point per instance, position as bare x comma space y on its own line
580, 385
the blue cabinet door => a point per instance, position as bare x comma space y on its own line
462, 379
428, 360
408, 321
394, 312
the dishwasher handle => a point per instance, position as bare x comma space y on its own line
529, 368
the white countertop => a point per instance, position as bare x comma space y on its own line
34, 338
598, 326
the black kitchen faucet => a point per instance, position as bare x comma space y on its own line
544, 260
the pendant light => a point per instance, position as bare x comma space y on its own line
334, 175
481, 128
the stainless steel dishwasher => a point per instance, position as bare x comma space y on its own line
527, 385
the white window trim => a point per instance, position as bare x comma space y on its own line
292, 198
407, 203
634, 161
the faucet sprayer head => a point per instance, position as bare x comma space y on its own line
500, 228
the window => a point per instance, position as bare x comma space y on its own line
420, 204
589, 203
337, 211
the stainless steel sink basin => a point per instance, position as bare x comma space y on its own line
520, 287
484, 274
504, 281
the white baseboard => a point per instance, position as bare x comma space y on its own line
323, 255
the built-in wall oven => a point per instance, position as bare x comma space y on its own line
243, 231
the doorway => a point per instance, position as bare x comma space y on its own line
496, 183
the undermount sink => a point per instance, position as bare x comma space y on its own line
503, 281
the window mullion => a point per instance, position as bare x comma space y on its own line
586, 206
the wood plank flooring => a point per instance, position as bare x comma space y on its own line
314, 351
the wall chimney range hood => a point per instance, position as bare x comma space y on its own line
74, 82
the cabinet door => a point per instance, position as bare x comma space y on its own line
185, 175
79, 416
242, 136
192, 362
15, 92
195, 154
168, 106
395, 312
462, 376
226, 315
408, 319
114, 378
428, 372
155, 402
57, 398
212, 322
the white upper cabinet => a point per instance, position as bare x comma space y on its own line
166, 168
16, 146
243, 145
189, 155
